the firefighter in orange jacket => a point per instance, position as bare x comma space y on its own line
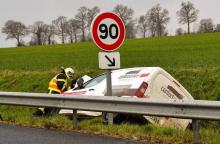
57, 85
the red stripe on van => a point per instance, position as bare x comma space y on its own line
75, 93
144, 75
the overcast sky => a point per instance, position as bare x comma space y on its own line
29, 11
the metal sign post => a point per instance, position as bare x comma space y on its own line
108, 33
109, 93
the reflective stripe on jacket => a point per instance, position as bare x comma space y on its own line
53, 84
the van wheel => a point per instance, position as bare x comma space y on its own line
130, 118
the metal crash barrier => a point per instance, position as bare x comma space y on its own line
195, 110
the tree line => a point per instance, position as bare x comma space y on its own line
152, 24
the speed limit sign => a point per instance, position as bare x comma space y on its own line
108, 31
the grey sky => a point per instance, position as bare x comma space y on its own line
29, 11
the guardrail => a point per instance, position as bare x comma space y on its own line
195, 110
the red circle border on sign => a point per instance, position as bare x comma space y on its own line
96, 38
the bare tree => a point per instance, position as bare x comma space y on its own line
158, 18
68, 31
38, 29
72, 29
33, 40
151, 22
131, 29
179, 31
81, 16
126, 14
60, 24
187, 14
43, 33
217, 28
143, 25
50, 31
206, 26
91, 14
15, 30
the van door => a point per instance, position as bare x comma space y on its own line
164, 88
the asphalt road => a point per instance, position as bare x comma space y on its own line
26, 135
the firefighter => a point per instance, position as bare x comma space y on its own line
57, 85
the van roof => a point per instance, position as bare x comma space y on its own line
149, 69
132, 77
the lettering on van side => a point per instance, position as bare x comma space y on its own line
155, 119
167, 92
128, 76
177, 94
171, 92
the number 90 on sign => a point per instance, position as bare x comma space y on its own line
112, 31
108, 31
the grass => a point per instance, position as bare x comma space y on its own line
23, 116
143, 133
168, 52
194, 60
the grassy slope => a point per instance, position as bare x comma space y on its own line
194, 60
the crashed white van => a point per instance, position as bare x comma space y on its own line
141, 82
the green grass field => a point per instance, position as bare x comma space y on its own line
193, 60
183, 52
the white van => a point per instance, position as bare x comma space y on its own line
141, 82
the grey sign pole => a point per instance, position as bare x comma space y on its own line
109, 93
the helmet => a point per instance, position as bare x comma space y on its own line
69, 72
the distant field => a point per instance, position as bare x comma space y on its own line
194, 60
194, 51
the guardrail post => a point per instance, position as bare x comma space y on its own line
1, 117
74, 118
195, 126
110, 118
104, 118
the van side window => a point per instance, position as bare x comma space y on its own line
94, 81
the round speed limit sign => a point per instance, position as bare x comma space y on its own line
108, 31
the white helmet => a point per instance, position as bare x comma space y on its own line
69, 72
